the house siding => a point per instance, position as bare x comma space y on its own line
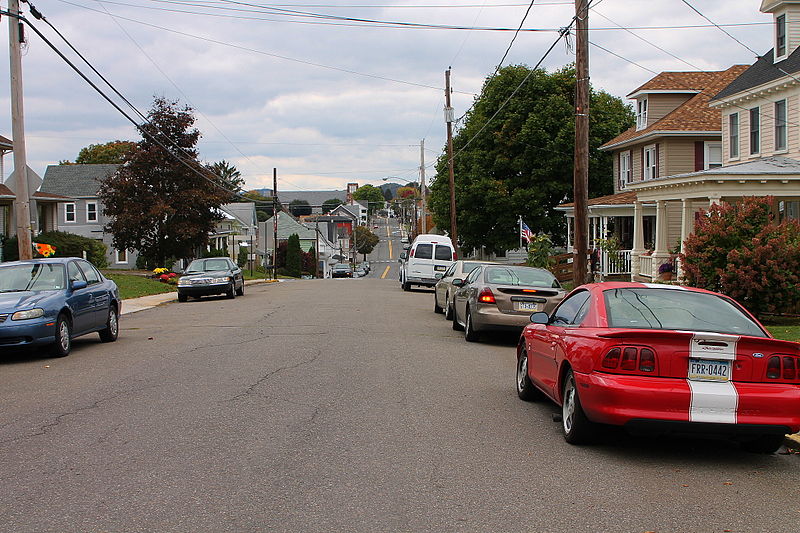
792, 28
660, 105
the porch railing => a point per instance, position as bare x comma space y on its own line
646, 265
612, 263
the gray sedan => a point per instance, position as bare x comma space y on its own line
444, 289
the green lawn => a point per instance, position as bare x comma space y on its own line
786, 328
133, 286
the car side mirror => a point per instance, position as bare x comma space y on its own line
403, 256
438, 275
540, 318
457, 282
76, 285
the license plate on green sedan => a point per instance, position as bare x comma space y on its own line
529, 306
708, 370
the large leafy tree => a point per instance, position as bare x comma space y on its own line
229, 176
521, 163
112, 152
162, 201
365, 240
370, 194
300, 208
330, 204
294, 256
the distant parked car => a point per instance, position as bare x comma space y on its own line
210, 276
51, 301
342, 270
360, 270
661, 358
502, 297
444, 289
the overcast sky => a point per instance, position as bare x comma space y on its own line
327, 101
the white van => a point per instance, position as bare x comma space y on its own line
428, 255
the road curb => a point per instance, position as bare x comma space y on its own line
134, 305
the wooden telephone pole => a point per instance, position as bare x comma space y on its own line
22, 205
580, 181
275, 223
449, 118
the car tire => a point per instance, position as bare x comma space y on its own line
525, 388
436, 308
182, 297
240, 292
577, 428
456, 325
63, 343
406, 286
470, 335
111, 331
448, 309
763, 444
231, 292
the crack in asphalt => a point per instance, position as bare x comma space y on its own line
45, 428
251, 389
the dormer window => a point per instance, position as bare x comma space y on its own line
641, 114
780, 36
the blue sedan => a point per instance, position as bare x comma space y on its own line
48, 302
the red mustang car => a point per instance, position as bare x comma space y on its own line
662, 358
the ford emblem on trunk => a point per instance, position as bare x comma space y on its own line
758, 355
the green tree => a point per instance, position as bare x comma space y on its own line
229, 176
162, 201
294, 256
365, 241
370, 194
112, 152
521, 163
330, 204
299, 208
387, 194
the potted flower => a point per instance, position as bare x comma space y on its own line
665, 270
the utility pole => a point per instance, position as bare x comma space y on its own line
422, 184
449, 118
22, 201
580, 181
275, 224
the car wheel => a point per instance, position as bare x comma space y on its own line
63, 344
456, 325
111, 331
525, 388
763, 444
469, 329
240, 292
231, 292
182, 297
406, 286
436, 308
448, 309
577, 428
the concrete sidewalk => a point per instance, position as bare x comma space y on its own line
132, 305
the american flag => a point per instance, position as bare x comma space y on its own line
525, 232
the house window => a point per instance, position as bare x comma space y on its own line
713, 155
780, 125
91, 211
624, 169
755, 131
733, 128
69, 212
780, 36
641, 114
121, 256
650, 162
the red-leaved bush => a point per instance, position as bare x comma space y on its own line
742, 250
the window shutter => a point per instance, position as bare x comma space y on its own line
699, 155
641, 176
619, 171
657, 160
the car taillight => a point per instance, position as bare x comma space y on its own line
630, 359
455, 256
784, 367
486, 296
611, 360
412, 253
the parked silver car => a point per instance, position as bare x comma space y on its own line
444, 289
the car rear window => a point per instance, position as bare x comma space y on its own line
444, 253
424, 251
648, 308
536, 277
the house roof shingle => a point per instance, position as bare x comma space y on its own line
693, 115
75, 181
622, 198
764, 70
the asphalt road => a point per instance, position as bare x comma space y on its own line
338, 405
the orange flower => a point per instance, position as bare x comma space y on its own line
45, 250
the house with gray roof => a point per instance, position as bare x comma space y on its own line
310, 235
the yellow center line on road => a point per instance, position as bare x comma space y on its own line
390, 249
386, 271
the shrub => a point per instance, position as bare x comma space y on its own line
663, 268
66, 245
241, 259
539, 251
294, 256
215, 252
742, 251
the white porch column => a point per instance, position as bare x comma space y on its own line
638, 237
714, 200
687, 220
569, 234
661, 252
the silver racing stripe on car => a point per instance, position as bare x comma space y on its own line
713, 401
